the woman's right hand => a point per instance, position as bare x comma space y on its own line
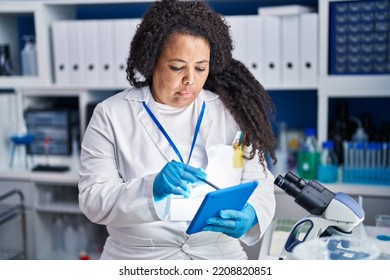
175, 178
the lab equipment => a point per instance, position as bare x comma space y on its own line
360, 135
327, 169
308, 155
357, 37
233, 198
234, 223
367, 163
174, 179
23, 143
330, 214
53, 124
337, 248
12, 208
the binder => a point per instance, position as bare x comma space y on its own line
308, 63
290, 49
271, 30
284, 10
91, 51
238, 32
106, 53
76, 57
254, 47
124, 30
60, 52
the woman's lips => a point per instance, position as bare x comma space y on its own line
186, 93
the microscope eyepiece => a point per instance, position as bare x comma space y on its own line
290, 187
311, 195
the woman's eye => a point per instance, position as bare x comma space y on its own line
174, 68
200, 69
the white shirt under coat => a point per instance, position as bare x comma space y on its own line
122, 152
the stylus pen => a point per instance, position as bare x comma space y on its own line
205, 181
208, 183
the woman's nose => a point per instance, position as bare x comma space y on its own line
188, 78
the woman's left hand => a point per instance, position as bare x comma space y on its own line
232, 222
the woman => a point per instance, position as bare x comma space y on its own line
192, 111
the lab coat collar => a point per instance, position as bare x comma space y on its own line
144, 94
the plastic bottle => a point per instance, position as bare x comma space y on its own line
70, 239
308, 156
29, 57
281, 167
327, 169
360, 135
58, 234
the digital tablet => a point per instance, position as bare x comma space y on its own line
229, 198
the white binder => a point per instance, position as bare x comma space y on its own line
290, 50
124, 30
238, 31
255, 47
106, 53
308, 63
60, 52
271, 29
76, 57
91, 52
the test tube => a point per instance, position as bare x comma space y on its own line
351, 154
388, 155
359, 155
369, 155
384, 154
347, 162
378, 152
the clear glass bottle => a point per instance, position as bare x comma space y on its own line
327, 169
281, 152
308, 156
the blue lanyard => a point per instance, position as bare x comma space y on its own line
196, 132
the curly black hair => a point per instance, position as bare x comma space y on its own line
241, 93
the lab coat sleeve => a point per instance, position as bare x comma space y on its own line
262, 199
104, 197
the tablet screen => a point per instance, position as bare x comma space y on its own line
233, 198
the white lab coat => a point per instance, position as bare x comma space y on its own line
122, 152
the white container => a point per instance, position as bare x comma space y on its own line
29, 57
70, 239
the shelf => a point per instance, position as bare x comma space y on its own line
68, 178
291, 87
58, 207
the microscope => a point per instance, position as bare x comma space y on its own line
330, 214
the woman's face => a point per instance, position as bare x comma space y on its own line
181, 70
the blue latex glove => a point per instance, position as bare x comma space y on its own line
232, 222
175, 178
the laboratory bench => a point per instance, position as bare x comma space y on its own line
52, 198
